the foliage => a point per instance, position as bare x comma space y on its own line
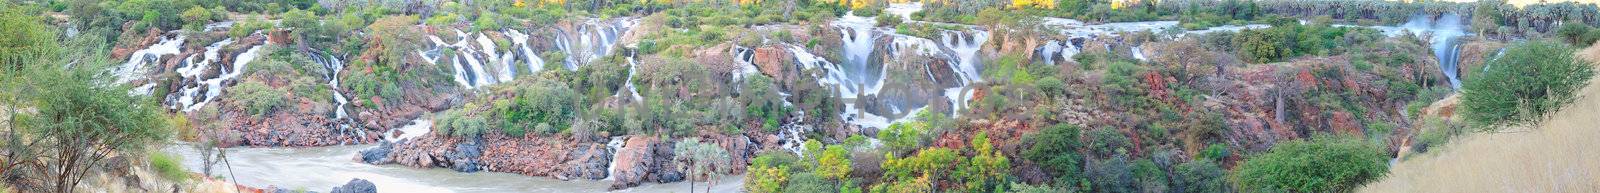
889, 20
1199, 176
806, 182
1055, 149
1530, 80
1317, 165
834, 163
987, 169
258, 98
74, 122
769, 171
931, 165
167, 166
247, 27
461, 122
195, 18
699, 159
901, 137
540, 102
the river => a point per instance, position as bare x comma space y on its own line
322, 168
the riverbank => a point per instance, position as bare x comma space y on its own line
317, 168
1553, 156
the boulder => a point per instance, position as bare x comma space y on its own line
465, 156
588, 161
356, 185
377, 155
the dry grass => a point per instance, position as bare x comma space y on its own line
1561, 154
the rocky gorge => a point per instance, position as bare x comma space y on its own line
878, 75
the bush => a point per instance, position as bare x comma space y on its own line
545, 106
1055, 149
257, 98
460, 122
889, 20
1198, 176
1530, 80
195, 18
1318, 165
167, 167
247, 27
806, 182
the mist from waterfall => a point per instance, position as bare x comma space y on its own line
1443, 34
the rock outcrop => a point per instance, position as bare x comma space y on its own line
356, 185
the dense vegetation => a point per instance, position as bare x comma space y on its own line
1215, 112
1532, 79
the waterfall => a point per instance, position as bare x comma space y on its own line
488, 47
214, 85
595, 38
628, 83
1138, 53
520, 40
614, 146
138, 61
470, 71
1443, 34
964, 49
858, 41
192, 69
334, 66
746, 58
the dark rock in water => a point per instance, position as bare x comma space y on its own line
465, 157
377, 155
356, 185
588, 161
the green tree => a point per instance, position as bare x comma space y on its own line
834, 164
1055, 149
195, 18
700, 160
1531, 79
769, 172
75, 121
987, 170
1200, 175
1317, 165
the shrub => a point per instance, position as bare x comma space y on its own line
889, 20
257, 98
247, 27
460, 123
167, 167
1055, 149
806, 182
1530, 80
1318, 165
195, 18
1198, 176
548, 103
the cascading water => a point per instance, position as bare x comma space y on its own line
859, 38
341, 117
1445, 31
595, 38
139, 61
746, 58
1138, 53
614, 146
628, 83
192, 70
214, 85
964, 48
525, 53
